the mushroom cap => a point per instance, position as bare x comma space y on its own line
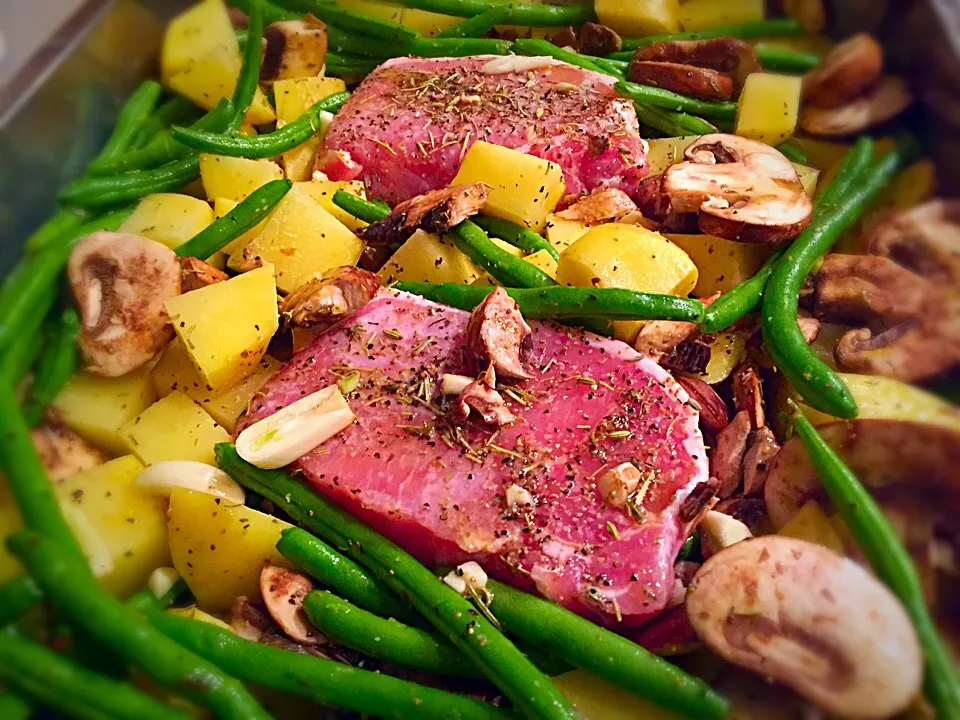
283, 592
742, 189
811, 619
845, 72
885, 100
924, 239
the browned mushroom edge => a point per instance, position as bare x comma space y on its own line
436, 212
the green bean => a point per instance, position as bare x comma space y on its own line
878, 540
102, 192
248, 81
367, 25
792, 153
54, 682
746, 297
385, 639
162, 148
325, 682
530, 46
222, 231
262, 146
146, 600
674, 101
517, 13
365, 210
517, 235
134, 113
819, 385
674, 124
177, 110
17, 596
616, 68
495, 656
14, 707
26, 291
57, 365
343, 41
603, 653
786, 61
271, 12
62, 222
503, 267
780, 27
476, 26
562, 302
67, 582
352, 66
460, 47
16, 362
341, 574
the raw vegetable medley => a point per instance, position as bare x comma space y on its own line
461, 359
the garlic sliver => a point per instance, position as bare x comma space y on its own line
292, 432
162, 477
451, 384
161, 580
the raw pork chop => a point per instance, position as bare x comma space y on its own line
439, 490
411, 121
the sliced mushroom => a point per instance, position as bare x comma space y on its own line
674, 344
566, 38
121, 283
600, 206
702, 83
813, 620
845, 72
809, 328
294, 49
719, 531
251, 622
481, 395
748, 394
283, 593
762, 447
730, 56
436, 212
598, 39
64, 453
884, 101
924, 239
742, 189
325, 301
714, 415
495, 334
196, 274
726, 460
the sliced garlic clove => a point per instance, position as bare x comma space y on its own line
451, 384
467, 577
161, 580
517, 495
163, 477
292, 432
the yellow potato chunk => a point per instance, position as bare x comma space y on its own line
521, 187
813, 525
174, 428
219, 549
226, 327
323, 191
808, 178
721, 264
194, 33
562, 233
174, 371
544, 261
631, 257
768, 107
726, 352
425, 257
221, 206
703, 14
96, 408
169, 218
235, 178
664, 152
303, 241
293, 98
640, 17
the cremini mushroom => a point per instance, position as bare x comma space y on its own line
813, 620
481, 395
748, 394
600, 206
762, 447
845, 73
495, 335
730, 56
714, 415
741, 189
324, 301
726, 460
120, 283
196, 274
436, 212
283, 592
294, 48
698, 82
64, 453
884, 101
598, 39
924, 239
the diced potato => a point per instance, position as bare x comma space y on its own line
808, 178
174, 428
726, 352
544, 261
235, 178
226, 327
212, 77
631, 257
640, 17
303, 241
703, 14
768, 107
507, 247
563, 233
425, 257
293, 98
168, 218
595, 699
96, 408
219, 549
721, 264
813, 525
195, 32
126, 40
664, 152
521, 188
323, 191
221, 206
174, 371
426, 22
374, 8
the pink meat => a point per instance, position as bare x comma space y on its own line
410, 122
438, 490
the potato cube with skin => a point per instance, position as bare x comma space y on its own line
96, 408
323, 191
168, 218
174, 371
703, 14
521, 188
195, 32
768, 107
721, 264
220, 549
174, 428
639, 17
425, 257
303, 241
293, 98
631, 257
235, 178
226, 327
